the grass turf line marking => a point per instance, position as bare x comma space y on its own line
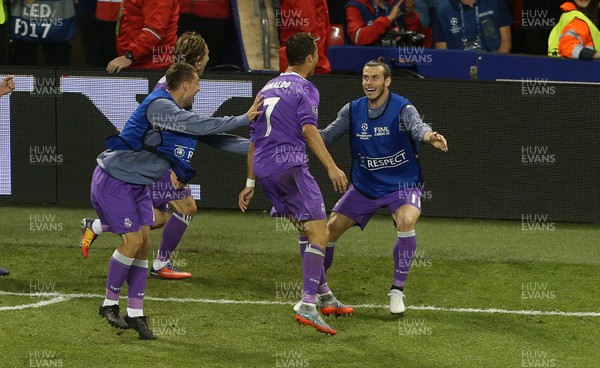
65, 297
39, 304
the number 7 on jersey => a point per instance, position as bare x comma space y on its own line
270, 104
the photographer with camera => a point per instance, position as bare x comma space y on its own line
384, 23
477, 25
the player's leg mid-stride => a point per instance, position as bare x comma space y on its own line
184, 210
174, 227
87, 235
325, 299
314, 279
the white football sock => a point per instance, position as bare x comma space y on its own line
159, 264
135, 312
97, 226
108, 302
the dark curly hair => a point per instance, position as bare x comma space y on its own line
298, 47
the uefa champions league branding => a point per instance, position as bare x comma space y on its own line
377, 163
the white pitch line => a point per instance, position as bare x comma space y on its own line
39, 304
66, 297
506, 311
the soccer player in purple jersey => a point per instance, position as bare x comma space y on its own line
134, 160
385, 130
167, 192
277, 156
6, 86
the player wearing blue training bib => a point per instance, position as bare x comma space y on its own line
167, 192
385, 132
133, 161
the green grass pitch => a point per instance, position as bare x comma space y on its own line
253, 259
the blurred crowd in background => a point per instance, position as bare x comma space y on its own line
139, 33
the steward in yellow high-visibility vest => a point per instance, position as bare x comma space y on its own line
575, 36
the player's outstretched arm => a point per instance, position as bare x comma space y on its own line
7, 85
316, 144
437, 140
334, 131
229, 143
248, 192
190, 122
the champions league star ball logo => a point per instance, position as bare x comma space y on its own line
364, 132
179, 152
454, 21
127, 222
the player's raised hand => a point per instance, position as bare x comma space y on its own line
338, 178
438, 141
245, 197
7, 85
254, 110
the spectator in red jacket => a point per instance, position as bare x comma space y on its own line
310, 16
147, 35
369, 20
